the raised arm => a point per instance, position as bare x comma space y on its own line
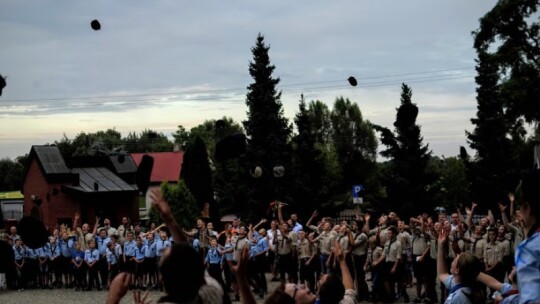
470, 214
76, 219
502, 208
159, 202
280, 213
489, 281
96, 225
442, 272
262, 221
313, 216
345, 273
512, 199
367, 217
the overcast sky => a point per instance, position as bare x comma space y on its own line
158, 64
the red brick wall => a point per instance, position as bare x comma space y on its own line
61, 205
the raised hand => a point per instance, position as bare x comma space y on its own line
159, 202
119, 288
511, 197
137, 297
502, 207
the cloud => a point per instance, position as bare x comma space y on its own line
167, 49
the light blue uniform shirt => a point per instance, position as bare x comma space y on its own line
45, 251
230, 255
91, 256
263, 244
458, 296
528, 269
111, 257
151, 249
20, 252
254, 249
129, 248
161, 246
213, 256
31, 253
66, 247
102, 244
140, 252
55, 251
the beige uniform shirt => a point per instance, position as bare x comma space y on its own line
238, 244
343, 240
305, 249
477, 248
381, 232
285, 244
492, 254
505, 247
325, 240
405, 239
360, 244
419, 244
374, 254
392, 250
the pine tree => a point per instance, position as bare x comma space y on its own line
267, 129
407, 177
197, 175
495, 167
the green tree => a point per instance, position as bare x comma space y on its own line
267, 129
315, 174
509, 35
496, 138
196, 173
11, 174
407, 178
356, 146
452, 182
183, 204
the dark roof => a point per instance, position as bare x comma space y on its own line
51, 159
100, 179
51, 163
123, 164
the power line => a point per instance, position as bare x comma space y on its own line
230, 89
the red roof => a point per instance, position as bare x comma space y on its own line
167, 165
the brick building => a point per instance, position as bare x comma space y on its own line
55, 188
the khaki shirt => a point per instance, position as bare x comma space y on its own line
374, 254
343, 240
405, 239
381, 232
238, 245
505, 246
305, 249
285, 244
492, 254
360, 244
477, 247
419, 244
392, 250
84, 239
325, 240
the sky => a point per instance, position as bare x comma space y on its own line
159, 64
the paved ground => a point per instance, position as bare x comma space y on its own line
68, 296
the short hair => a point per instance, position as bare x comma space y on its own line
332, 290
183, 273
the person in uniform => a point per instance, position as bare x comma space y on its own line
91, 259
307, 254
392, 257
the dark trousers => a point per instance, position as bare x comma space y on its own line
103, 268
361, 285
307, 273
80, 276
260, 270
214, 270
227, 275
93, 276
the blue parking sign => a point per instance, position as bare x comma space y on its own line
356, 190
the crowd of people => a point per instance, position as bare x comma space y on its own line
321, 260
